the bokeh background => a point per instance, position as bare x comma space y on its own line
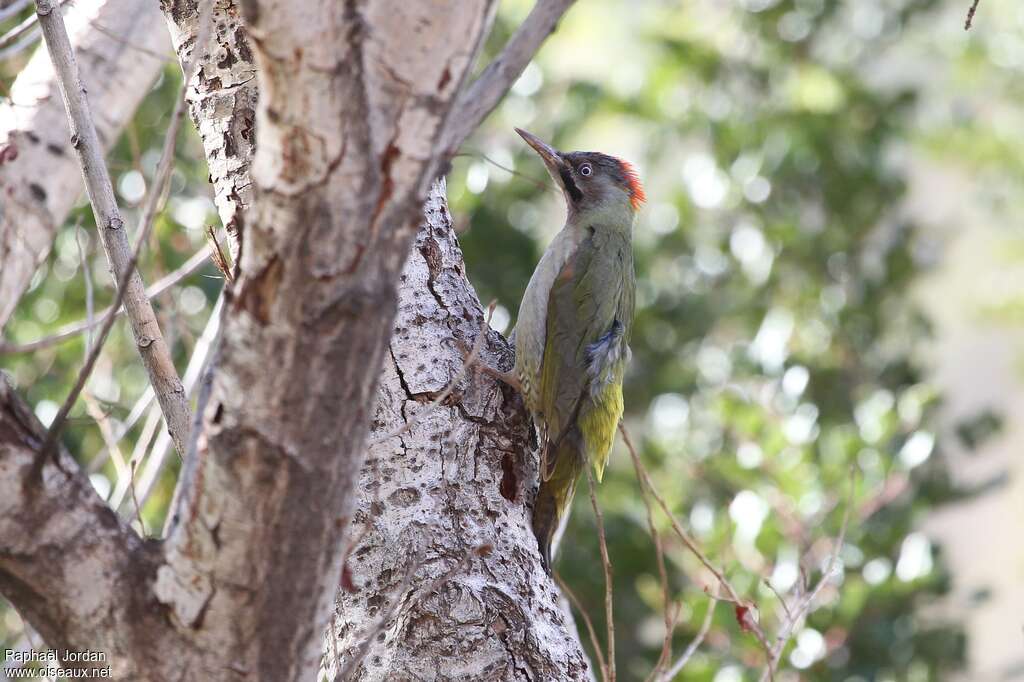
830, 276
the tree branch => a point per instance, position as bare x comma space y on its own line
67, 563
222, 104
149, 340
483, 95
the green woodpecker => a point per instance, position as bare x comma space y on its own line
574, 324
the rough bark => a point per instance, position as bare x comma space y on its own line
69, 565
40, 185
222, 103
354, 102
480, 98
347, 122
461, 476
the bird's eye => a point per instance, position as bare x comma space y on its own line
586, 170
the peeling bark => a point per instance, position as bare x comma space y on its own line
41, 183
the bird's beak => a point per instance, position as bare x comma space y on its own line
552, 159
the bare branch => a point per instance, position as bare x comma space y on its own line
782, 600
195, 371
138, 510
687, 539
152, 347
103, 422
480, 98
20, 45
795, 614
87, 276
128, 43
669, 618
27, 27
13, 9
970, 15
744, 608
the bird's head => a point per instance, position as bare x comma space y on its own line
590, 180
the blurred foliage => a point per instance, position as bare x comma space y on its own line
776, 344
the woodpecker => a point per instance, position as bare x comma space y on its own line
573, 329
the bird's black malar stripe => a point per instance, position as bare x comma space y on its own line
570, 184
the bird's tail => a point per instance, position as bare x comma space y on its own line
555, 494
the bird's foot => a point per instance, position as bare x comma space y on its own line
472, 360
508, 378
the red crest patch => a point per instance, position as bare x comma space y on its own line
636, 188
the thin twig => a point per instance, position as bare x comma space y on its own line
129, 44
202, 366
749, 625
217, 254
23, 28
152, 347
671, 612
659, 551
23, 35
149, 428
196, 262
687, 539
467, 363
138, 509
705, 627
595, 645
12, 9
540, 184
103, 422
782, 600
803, 606
970, 15
87, 276
53, 433
198, 371
138, 409
27, 41
608, 586
480, 98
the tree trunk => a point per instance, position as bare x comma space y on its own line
446, 580
39, 178
352, 115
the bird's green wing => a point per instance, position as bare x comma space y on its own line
591, 299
